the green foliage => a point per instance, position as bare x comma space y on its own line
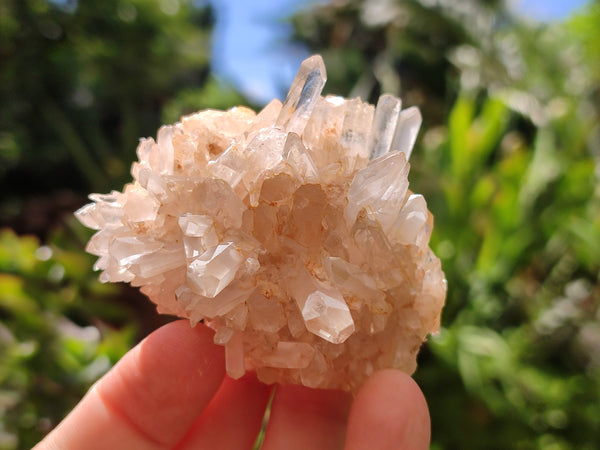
53, 341
584, 26
519, 345
213, 95
82, 81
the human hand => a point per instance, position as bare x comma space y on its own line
171, 391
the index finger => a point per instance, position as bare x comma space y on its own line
389, 412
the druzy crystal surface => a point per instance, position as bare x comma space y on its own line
292, 232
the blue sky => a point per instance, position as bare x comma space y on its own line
251, 52
546, 9
250, 46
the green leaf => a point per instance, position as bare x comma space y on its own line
13, 296
460, 120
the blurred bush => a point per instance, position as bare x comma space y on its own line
53, 341
82, 81
509, 160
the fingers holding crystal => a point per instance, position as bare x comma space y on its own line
151, 397
233, 418
303, 418
389, 412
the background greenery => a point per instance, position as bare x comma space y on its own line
508, 158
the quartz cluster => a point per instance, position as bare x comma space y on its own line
291, 232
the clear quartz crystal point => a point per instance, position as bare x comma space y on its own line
152, 182
140, 206
108, 209
166, 157
234, 356
384, 125
302, 96
127, 249
156, 263
407, 130
412, 221
89, 216
323, 308
226, 301
230, 166
198, 234
212, 271
296, 155
356, 129
326, 314
352, 280
380, 188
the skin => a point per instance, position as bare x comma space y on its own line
171, 392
